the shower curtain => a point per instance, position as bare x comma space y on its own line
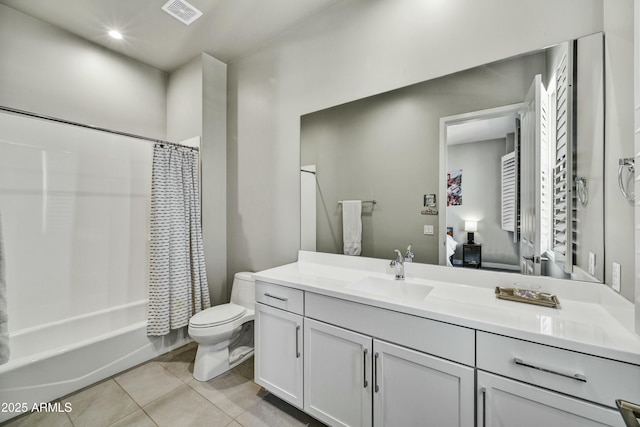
177, 278
4, 331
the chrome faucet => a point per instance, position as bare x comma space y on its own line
398, 263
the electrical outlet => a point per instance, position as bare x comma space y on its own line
592, 263
428, 230
616, 277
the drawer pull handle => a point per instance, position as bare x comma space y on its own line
275, 297
364, 370
577, 377
297, 342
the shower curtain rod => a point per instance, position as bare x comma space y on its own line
82, 125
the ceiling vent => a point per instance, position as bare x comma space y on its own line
182, 11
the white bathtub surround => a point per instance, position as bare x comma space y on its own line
418, 344
53, 360
4, 330
178, 286
352, 226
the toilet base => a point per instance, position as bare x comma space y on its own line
216, 359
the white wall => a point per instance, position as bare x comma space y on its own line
196, 106
619, 134
356, 49
46, 70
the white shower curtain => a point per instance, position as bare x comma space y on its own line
177, 278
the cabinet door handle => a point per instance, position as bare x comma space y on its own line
297, 341
364, 369
577, 377
483, 390
266, 294
375, 372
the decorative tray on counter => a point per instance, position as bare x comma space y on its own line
527, 296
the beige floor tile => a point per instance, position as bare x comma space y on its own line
245, 369
148, 382
231, 392
234, 424
137, 419
180, 362
38, 419
184, 407
273, 412
173, 353
100, 405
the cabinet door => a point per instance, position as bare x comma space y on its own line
337, 373
414, 389
278, 353
505, 403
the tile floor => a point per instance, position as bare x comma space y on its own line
163, 392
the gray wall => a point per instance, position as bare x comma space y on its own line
354, 50
196, 106
49, 71
386, 147
481, 200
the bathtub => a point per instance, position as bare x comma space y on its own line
53, 360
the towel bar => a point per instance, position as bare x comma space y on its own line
364, 201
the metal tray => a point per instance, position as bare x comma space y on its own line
544, 299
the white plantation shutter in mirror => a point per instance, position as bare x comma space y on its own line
509, 191
562, 173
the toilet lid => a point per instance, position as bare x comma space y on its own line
217, 315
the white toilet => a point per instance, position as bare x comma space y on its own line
224, 333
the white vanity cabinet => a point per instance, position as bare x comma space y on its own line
358, 364
337, 375
530, 384
278, 342
411, 388
504, 403
345, 373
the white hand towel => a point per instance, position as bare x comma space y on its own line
352, 226
4, 332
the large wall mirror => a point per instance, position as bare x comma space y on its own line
507, 155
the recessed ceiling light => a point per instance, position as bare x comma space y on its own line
115, 34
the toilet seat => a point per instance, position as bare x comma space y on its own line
218, 315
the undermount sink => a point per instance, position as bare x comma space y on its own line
390, 289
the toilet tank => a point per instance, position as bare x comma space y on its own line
243, 291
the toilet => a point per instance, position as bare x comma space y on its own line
224, 333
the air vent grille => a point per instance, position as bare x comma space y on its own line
182, 11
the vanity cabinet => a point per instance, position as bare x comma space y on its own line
350, 363
411, 388
278, 342
349, 376
529, 384
503, 403
337, 375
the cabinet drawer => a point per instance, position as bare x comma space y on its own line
440, 339
280, 297
588, 377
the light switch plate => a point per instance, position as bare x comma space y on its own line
592, 263
428, 230
616, 277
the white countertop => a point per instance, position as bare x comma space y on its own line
583, 322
